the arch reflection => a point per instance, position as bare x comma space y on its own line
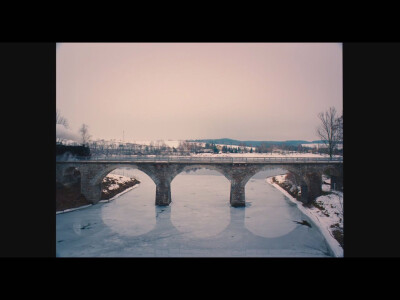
200, 203
132, 214
268, 213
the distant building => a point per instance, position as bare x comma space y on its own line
206, 151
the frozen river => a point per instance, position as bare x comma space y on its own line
198, 223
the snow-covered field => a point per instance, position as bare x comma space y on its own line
288, 154
320, 146
329, 213
169, 143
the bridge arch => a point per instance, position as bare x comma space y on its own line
309, 178
202, 166
71, 177
93, 175
262, 168
98, 178
64, 172
332, 170
336, 175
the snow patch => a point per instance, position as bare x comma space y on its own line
117, 195
120, 179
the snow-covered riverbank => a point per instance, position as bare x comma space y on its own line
114, 185
326, 214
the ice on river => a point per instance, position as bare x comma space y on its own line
198, 223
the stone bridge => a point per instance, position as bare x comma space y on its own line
308, 173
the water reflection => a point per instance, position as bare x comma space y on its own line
127, 219
200, 204
269, 213
133, 213
200, 207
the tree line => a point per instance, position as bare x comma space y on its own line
330, 131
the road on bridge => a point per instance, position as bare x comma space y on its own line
211, 159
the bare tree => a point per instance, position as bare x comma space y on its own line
340, 128
85, 134
328, 130
61, 120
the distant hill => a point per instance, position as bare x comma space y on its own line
226, 141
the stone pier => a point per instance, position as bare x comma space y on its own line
163, 193
237, 196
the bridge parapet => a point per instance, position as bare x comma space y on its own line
208, 159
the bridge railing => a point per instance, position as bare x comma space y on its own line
213, 159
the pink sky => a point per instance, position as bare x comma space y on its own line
245, 91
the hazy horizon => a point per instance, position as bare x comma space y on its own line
181, 91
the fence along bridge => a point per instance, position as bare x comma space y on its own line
238, 170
